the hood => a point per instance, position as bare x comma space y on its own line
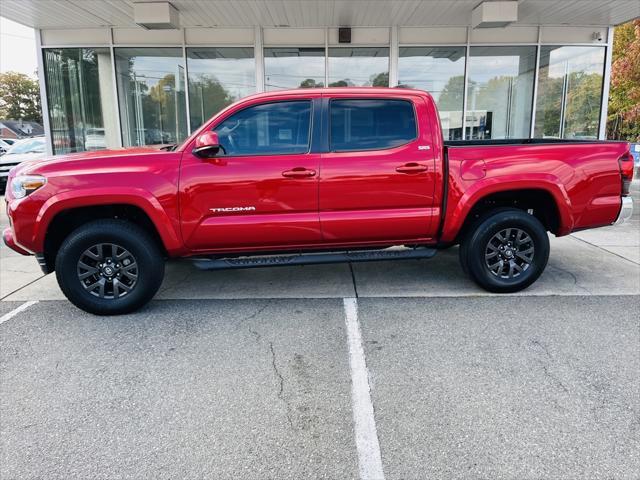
62, 160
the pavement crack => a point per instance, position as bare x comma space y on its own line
252, 331
280, 378
554, 379
573, 276
542, 346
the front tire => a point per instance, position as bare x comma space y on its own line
109, 267
505, 251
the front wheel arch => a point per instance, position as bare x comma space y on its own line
66, 221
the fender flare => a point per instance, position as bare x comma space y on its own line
83, 198
456, 217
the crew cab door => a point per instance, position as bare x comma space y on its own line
261, 189
378, 176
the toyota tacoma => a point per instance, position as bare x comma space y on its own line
310, 176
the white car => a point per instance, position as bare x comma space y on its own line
4, 146
95, 139
27, 149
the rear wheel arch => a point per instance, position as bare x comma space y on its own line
540, 201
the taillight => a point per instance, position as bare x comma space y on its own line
626, 171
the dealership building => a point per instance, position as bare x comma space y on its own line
125, 73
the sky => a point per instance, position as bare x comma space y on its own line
17, 48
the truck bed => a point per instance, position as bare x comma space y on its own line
517, 141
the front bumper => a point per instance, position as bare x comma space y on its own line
625, 211
10, 241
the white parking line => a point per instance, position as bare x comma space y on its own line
15, 311
367, 446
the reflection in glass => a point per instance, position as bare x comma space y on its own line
439, 71
500, 92
359, 67
291, 67
217, 78
81, 101
151, 95
370, 124
279, 128
569, 92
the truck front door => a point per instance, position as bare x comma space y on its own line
261, 190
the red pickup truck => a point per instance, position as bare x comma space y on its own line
310, 176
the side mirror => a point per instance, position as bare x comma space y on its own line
207, 145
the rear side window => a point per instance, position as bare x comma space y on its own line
371, 124
268, 129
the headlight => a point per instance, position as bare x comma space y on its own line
24, 185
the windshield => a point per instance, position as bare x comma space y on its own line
32, 145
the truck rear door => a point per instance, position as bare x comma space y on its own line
378, 176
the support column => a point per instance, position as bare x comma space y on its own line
606, 84
393, 57
259, 58
108, 101
44, 104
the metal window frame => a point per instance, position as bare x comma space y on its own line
606, 86
258, 46
44, 99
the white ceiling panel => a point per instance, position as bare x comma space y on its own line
314, 13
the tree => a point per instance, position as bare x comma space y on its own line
19, 97
310, 83
624, 96
380, 80
450, 98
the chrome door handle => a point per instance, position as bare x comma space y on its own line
299, 172
412, 167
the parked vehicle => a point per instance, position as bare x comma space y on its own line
95, 139
310, 176
22, 150
4, 146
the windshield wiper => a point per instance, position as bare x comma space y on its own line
169, 148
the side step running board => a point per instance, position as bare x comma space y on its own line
313, 258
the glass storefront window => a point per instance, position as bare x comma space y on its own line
439, 71
359, 67
500, 92
151, 95
292, 67
569, 92
82, 107
217, 78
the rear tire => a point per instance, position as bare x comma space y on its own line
109, 267
505, 251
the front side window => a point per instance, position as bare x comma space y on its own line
371, 124
269, 129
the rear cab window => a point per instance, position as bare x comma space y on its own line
370, 124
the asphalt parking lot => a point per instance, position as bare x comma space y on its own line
255, 373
